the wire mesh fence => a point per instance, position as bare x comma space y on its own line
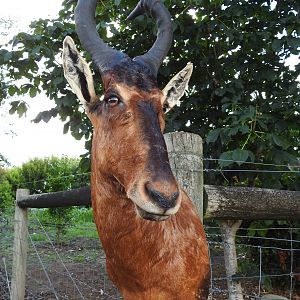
265, 264
74, 267
211, 165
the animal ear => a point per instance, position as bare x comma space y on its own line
78, 73
174, 90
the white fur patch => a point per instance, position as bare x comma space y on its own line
70, 70
176, 87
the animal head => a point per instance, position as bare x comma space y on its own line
128, 120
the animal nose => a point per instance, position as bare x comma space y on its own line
160, 198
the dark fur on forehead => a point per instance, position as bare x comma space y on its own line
133, 74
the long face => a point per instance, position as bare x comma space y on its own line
128, 121
128, 142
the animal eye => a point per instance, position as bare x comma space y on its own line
112, 100
165, 107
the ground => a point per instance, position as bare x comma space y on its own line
74, 268
85, 261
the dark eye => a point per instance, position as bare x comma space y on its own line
165, 107
112, 100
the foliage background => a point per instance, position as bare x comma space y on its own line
44, 176
243, 99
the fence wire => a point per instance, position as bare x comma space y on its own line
216, 169
72, 269
75, 267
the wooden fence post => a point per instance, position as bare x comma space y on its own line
185, 155
229, 229
19, 249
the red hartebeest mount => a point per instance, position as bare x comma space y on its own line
154, 241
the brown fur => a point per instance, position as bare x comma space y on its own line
145, 259
152, 260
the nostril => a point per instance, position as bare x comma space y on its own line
160, 199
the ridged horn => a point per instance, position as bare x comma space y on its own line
155, 56
103, 55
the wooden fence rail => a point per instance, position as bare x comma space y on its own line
221, 203
230, 205
75, 197
246, 203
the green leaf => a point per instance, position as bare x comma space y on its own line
262, 233
21, 109
262, 124
12, 90
277, 45
220, 92
85, 164
88, 145
252, 230
32, 92
280, 125
233, 131
44, 115
213, 135
14, 106
58, 80
77, 135
240, 156
251, 156
267, 74
7, 56
66, 128
281, 141
225, 159
294, 42
244, 129
69, 100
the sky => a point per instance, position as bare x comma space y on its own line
28, 139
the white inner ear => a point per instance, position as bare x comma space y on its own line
78, 73
174, 90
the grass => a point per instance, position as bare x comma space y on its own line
79, 215
82, 215
89, 232
81, 226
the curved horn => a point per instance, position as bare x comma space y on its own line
155, 56
103, 55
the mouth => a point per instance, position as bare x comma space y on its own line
150, 216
